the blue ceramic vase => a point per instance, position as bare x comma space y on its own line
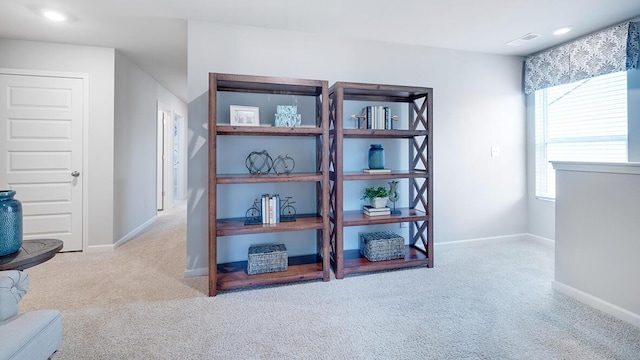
10, 223
376, 157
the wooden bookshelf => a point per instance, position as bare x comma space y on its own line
419, 173
308, 267
330, 219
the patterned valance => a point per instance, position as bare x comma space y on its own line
607, 51
633, 46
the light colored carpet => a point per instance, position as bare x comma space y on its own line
481, 301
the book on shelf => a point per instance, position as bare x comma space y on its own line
385, 211
270, 208
276, 210
265, 208
376, 171
388, 124
377, 117
376, 213
371, 211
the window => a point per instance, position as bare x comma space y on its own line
581, 121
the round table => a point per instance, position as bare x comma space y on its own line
32, 253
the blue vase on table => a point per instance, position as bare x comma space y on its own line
10, 223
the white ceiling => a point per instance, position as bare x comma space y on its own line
153, 33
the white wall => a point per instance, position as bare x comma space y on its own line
478, 103
597, 247
136, 99
98, 63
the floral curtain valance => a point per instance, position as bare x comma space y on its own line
607, 51
633, 46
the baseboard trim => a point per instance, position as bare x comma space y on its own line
484, 239
135, 232
196, 272
541, 240
99, 248
595, 302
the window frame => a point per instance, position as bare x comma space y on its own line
541, 139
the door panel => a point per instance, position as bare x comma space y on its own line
39, 161
39, 97
41, 121
49, 225
51, 192
36, 129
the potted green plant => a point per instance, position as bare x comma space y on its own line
377, 196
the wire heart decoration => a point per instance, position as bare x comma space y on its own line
259, 162
283, 164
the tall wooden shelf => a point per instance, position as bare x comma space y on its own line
315, 266
419, 132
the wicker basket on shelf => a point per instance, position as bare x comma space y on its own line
267, 258
381, 245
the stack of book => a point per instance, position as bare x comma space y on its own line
371, 211
376, 171
377, 117
270, 209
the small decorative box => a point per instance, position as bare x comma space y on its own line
286, 109
267, 258
381, 245
287, 116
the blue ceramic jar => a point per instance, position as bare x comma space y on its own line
376, 157
10, 223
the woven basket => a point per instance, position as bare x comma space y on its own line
381, 245
267, 258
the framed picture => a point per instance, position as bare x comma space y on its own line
245, 115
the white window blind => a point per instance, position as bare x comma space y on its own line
581, 121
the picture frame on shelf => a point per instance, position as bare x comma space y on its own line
244, 115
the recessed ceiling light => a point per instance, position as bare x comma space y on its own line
54, 15
562, 30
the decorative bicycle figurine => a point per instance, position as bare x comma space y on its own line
287, 211
253, 216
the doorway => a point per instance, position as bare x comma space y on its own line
171, 158
179, 161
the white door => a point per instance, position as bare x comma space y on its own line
164, 196
160, 162
41, 153
179, 170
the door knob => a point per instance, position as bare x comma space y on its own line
75, 174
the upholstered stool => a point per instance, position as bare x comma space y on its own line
32, 335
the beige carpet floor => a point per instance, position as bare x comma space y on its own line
147, 268
481, 301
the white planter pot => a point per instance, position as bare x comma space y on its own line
378, 202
